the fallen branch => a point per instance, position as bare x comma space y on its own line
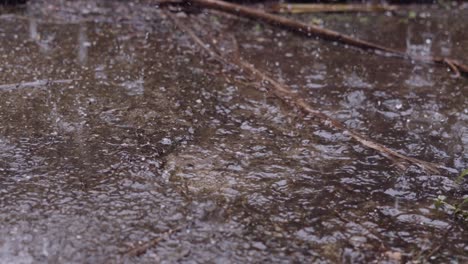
314, 31
285, 94
328, 8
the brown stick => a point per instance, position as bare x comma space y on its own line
285, 94
321, 8
141, 249
332, 123
453, 67
308, 30
313, 31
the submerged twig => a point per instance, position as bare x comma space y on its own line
321, 8
332, 123
285, 94
141, 249
452, 65
314, 31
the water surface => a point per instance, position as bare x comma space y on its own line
115, 128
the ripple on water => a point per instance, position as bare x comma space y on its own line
121, 131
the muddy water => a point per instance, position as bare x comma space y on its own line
115, 129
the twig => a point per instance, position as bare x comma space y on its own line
452, 65
285, 94
314, 31
141, 249
308, 30
332, 123
321, 8
168, 2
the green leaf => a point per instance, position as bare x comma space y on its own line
465, 201
462, 176
412, 14
442, 197
364, 20
316, 21
439, 201
258, 27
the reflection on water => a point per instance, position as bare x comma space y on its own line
122, 131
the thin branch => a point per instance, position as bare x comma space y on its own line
332, 123
141, 249
321, 8
308, 30
285, 94
314, 31
452, 65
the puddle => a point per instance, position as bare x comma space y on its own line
115, 128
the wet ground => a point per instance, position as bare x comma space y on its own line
115, 129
